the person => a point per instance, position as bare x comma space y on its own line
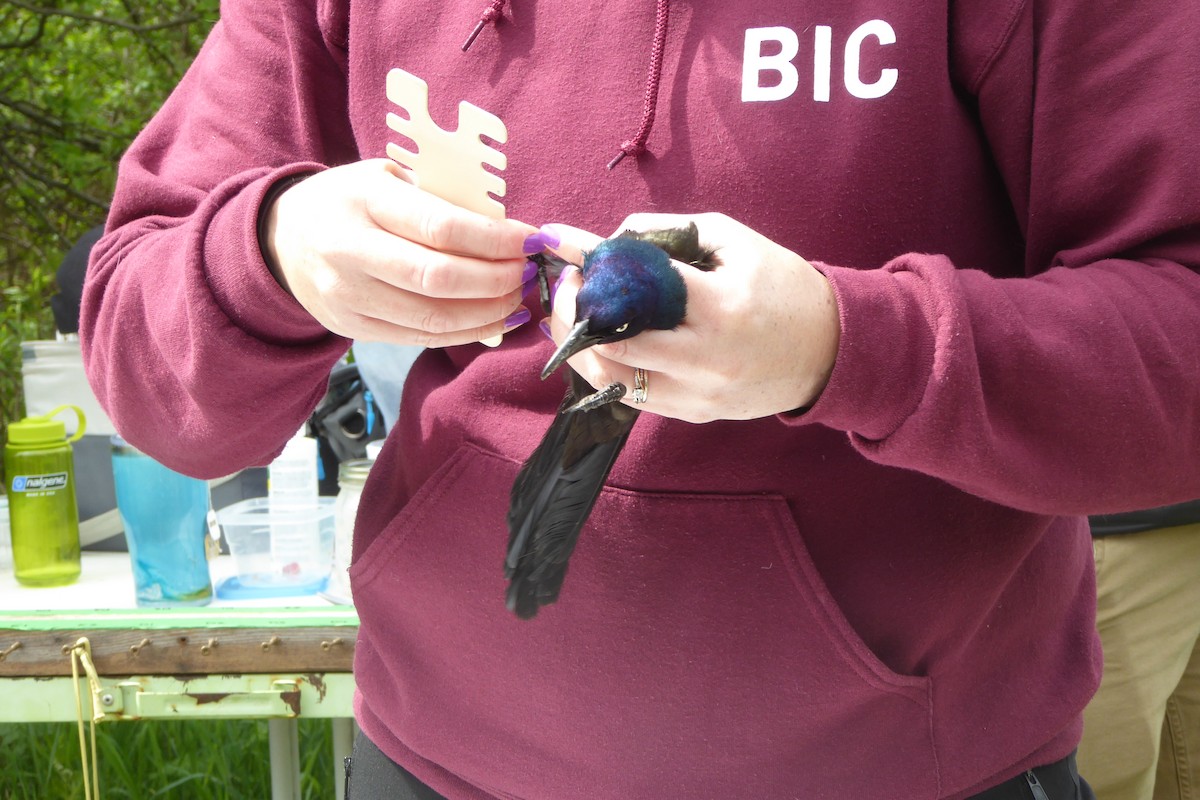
383, 368
1141, 733
64, 304
844, 552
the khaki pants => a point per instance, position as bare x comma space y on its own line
1141, 738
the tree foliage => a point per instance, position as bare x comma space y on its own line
78, 80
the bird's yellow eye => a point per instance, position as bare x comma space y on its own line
622, 329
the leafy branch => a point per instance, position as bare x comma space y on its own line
30, 40
78, 80
43, 12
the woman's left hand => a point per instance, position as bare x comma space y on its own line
760, 336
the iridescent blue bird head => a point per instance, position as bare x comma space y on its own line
629, 285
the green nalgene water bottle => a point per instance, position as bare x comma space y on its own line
41, 499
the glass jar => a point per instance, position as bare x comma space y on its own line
352, 475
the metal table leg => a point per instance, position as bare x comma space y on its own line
284, 735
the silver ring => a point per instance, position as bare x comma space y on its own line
641, 387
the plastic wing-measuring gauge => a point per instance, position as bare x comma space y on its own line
448, 164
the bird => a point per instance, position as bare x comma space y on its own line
629, 286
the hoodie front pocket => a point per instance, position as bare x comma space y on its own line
694, 653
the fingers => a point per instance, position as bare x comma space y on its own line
378, 330
439, 319
402, 209
567, 242
370, 256
370, 216
428, 272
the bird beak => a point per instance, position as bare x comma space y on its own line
578, 339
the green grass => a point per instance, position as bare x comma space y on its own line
146, 760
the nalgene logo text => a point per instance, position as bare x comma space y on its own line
39, 483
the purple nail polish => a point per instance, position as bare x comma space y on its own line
544, 327
534, 243
554, 287
550, 237
528, 288
529, 272
518, 317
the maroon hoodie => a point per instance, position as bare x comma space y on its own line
890, 595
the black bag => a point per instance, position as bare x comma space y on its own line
344, 422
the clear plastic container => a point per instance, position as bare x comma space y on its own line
292, 490
248, 531
292, 476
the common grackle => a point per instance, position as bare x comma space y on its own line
629, 285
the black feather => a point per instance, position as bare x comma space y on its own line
554, 494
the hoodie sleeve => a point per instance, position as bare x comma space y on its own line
200, 358
1075, 389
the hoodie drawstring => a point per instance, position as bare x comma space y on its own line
490, 14
630, 147
637, 145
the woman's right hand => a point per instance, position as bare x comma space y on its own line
372, 257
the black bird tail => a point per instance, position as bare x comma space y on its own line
554, 494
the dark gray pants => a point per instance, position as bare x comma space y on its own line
371, 775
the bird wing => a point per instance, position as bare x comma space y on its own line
681, 244
554, 494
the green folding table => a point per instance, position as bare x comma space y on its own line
278, 659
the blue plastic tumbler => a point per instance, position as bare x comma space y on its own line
164, 515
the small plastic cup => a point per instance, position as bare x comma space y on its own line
164, 514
